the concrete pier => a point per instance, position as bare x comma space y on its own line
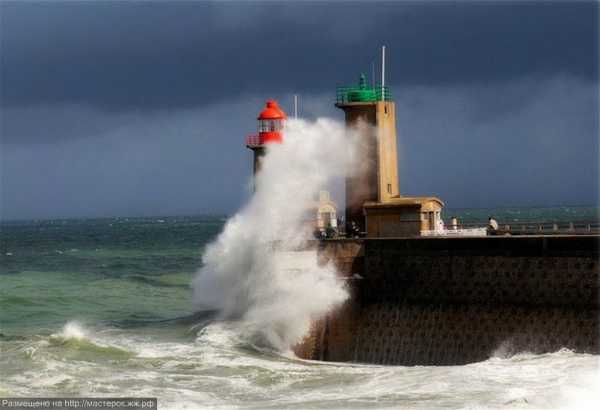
450, 301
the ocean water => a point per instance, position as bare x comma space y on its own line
103, 307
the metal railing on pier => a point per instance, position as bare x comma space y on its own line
550, 228
536, 228
511, 228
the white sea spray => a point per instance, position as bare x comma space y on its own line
253, 271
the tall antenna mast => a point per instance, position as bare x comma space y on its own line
382, 73
296, 106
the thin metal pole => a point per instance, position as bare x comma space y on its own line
382, 73
295, 106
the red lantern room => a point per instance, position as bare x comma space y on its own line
270, 127
270, 123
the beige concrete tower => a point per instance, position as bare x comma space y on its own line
369, 112
374, 206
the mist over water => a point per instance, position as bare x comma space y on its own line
252, 272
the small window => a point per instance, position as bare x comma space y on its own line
385, 109
263, 126
389, 188
270, 125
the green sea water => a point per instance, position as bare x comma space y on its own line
108, 270
103, 307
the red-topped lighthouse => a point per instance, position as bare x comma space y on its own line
270, 126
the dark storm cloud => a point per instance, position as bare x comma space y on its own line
124, 108
194, 161
541, 154
128, 55
173, 162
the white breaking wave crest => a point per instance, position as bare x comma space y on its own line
73, 330
253, 271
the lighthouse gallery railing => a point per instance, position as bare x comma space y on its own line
358, 94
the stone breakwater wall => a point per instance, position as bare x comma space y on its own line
449, 301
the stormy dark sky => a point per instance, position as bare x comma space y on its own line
126, 108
